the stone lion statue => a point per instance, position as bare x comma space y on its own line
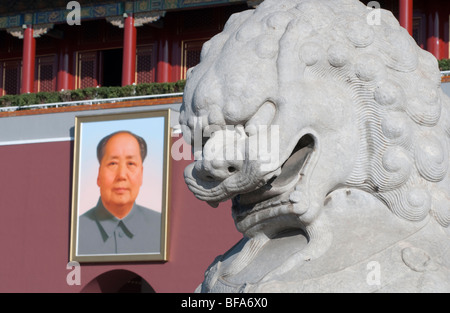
336, 135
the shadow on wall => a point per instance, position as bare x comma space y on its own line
118, 281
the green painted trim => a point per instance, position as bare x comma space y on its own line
11, 21
90, 12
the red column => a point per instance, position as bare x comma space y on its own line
29, 54
164, 68
406, 15
65, 78
437, 39
129, 52
446, 43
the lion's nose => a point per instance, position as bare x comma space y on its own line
216, 170
223, 156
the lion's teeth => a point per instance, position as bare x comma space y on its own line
295, 196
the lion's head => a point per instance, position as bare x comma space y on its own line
353, 104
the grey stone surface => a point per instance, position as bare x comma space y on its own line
328, 127
446, 88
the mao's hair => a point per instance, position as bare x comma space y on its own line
102, 144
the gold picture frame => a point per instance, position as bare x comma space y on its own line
98, 233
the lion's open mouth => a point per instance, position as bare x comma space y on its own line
291, 170
277, 190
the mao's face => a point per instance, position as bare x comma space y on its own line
120, 172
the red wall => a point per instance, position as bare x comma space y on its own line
35, 204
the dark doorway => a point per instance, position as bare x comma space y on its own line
118, 281
112, 67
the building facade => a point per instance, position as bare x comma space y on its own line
59, 45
